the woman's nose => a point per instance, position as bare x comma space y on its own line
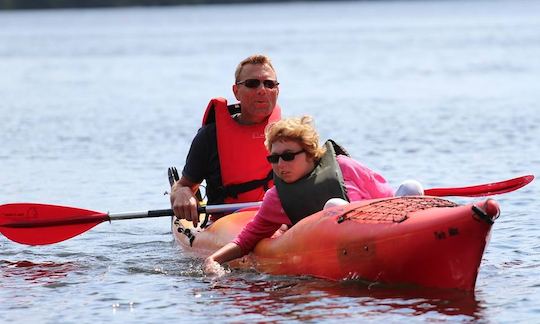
281, 163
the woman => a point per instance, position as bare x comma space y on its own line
306, 177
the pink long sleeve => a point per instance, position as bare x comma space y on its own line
266, 222
361, 182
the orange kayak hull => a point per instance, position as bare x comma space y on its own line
424, 241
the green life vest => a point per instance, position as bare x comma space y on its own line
309, 194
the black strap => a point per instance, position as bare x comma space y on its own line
233, 110
236, 189
340, 150
173, 177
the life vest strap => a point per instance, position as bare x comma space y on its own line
235, 189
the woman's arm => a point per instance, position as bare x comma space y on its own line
266, 222
227, 253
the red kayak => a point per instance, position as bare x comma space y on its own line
426, 241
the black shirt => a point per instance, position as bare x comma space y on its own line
202, 162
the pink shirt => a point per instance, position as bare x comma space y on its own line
361, 183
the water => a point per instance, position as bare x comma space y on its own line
96, 104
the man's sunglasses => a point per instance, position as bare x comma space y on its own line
255, 83
287, 156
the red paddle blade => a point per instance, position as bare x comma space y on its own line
483, 190
40, 224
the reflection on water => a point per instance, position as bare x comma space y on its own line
308, 299
45, 273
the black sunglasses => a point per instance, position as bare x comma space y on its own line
255, 83
287, 156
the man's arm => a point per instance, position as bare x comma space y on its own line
183, 200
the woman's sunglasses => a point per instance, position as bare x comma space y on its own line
255, 83
287, 156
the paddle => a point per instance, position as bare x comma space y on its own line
482, 190
39, 224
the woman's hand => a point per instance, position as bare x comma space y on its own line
212, 264
213, 268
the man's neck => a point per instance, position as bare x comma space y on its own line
242, 120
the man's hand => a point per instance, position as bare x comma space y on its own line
183, 201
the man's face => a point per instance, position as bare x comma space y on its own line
256, 103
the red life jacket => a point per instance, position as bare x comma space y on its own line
245, 172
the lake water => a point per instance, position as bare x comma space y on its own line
95, 105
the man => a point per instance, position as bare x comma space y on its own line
228, 151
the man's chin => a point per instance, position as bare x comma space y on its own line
266, 111
263, 106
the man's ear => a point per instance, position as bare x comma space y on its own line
235, 91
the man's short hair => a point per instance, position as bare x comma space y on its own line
253, 59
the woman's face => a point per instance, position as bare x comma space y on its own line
298, 167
